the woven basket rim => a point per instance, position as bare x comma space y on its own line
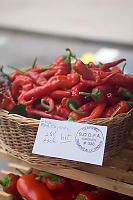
26, 120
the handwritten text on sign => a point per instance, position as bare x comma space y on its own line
71, 140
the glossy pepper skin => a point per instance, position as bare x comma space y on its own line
9, 184
56, 183
32, 189
96, 112
84, 195
86, 108
120, 107
52, 84
67, 194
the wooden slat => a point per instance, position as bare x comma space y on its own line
97, 180
4, 173
13, 166
5, 196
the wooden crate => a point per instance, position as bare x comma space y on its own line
116, 174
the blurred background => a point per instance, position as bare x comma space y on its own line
100, 30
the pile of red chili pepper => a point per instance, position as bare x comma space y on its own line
67, 90
38, 185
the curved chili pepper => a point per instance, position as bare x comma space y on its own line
82, 69
20, 84
96, 113
52, 84
13, 75
9, 184
54, 182
122, 80
32, 189
86, 108
62, 111
84, 195
33, 75
59, 94
99, 93
120, 107
75, 92
50, 101
33, 111
6, 102
91, 83
106, 66
72, 104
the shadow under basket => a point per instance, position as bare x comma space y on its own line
17, 136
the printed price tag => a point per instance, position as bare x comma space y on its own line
71, 140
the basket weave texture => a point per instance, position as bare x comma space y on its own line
17, 136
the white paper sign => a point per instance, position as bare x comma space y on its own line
71, 140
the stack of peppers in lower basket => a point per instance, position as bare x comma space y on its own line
37, 185
72, 91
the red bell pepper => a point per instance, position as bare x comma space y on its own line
9, 184
32, 189
84, 195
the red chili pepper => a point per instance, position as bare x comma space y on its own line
122, 80
33, 111
9, 184
75, 92
71, 104
86, 108
120, 107
52, 84
92, 83
20, 84
96, 113
33, 75
59, 94
6, 102
82, 69
84, 195
106, 66
62, 111
54, 182
78, 186
99, 93
32, 189
116, 69
13, 75
50, 101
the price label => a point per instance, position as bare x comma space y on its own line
71, 141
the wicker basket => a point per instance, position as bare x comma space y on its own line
17, 136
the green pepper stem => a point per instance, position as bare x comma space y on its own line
34, 62
44, 104
123, 68
47, 67
72, 107
5, 182
22, 173
71, 117
129, 103
14, 67
85, 94
80, 198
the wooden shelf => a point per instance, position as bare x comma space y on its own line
116, 174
